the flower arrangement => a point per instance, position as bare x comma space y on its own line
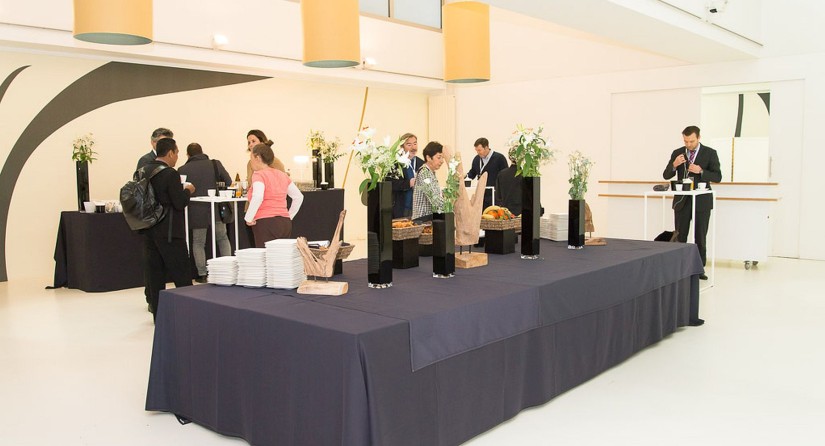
327, 150
579, 171
82, 149
378, 161
451, 186
530, 150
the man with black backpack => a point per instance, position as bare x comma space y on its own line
204, 173
164, 244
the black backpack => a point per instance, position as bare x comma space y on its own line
140, 206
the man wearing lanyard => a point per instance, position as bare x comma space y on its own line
402, 188
490, 161
700, 164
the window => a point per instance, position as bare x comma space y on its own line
377, 7
421, 12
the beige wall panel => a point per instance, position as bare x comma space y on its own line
217, 118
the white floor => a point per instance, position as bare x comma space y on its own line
74, 365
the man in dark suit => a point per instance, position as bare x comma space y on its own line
144, 160
402, 188
700, 164
490, 161
164, 244
508, 188
415, 161
159, 133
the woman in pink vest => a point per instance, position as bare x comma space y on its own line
267, 213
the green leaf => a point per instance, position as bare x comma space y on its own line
394, 147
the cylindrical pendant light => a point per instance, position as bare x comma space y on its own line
113, 22
466, 32
331, 33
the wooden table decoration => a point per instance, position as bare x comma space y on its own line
322, 266
468, 222
589, 227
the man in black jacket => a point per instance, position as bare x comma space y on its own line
402, 188
157, 135
508, 188
164, 244
490, 161
700, 164
204, 173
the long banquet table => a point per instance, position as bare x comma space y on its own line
428, 361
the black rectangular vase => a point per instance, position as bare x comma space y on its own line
575, 224
316, 168
379, 236
530, 214
443, 245
82, 183
329, 174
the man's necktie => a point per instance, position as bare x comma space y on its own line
692, 156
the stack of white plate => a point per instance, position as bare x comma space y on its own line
222, 270
251, 267
284, 265
554, 227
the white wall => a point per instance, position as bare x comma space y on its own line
639, 126
577, 114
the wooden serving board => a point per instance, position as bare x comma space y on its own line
470, 260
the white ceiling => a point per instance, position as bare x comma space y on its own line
684, 30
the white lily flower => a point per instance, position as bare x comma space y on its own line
402, 158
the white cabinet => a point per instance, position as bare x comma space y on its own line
742, 215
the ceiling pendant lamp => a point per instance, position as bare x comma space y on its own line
466, 32
331, 33
113, 22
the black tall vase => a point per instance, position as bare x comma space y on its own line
82, 168
530, 214
444, 245
316, 168
329, 174
379, 236
575, 224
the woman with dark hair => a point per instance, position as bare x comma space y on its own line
427, 197
267, 213
253, 138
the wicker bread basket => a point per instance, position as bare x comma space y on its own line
343, 251
407, 233
425, 239
500, 225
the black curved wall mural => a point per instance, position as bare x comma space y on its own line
5, 85
108, 84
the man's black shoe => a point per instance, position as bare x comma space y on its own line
703, 277
696, 322
200, 279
